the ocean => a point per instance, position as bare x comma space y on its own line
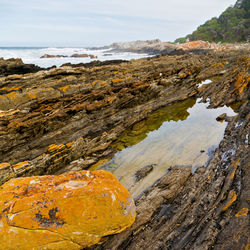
33, 54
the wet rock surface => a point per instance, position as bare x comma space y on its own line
143, 172
74, 55
66, 119
204, 210
52, 56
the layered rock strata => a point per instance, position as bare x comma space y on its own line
208, 209
66, 119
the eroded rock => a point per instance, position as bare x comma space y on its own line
143, 172
204, 210
84, 55
52, 56
68, 118
69, 211
16, 66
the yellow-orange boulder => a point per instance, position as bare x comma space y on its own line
69, 211
195, 45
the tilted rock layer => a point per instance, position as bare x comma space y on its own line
68, 118
65, 119
69, 211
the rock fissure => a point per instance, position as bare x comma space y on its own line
64, 237
58, 241
39, 229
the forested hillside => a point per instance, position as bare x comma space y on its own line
233, 25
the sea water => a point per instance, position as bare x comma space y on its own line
33, 54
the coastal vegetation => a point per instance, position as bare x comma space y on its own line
233, 25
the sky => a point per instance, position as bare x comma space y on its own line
82, 23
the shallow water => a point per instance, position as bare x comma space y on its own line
183, 134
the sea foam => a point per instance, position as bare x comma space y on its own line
32, 55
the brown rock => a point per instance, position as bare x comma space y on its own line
52, 56
16, 66
84, 55
143, 172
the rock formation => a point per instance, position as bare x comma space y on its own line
52, 56
74, 55
69, 211
67, 119
157, 47
84, 55
16, 66
150, 47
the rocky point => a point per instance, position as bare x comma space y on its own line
66, 119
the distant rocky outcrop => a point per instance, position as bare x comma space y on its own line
74, 55
135, 44
52, 56
16, 66
233, 25
150, 47
156, 47
83, 55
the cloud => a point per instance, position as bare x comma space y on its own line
99, 20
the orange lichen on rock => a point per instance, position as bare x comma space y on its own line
70, 144
69, 211
218, 65
241, 82
12, 95
4, 165
235, 165
95, 105
231, 199
127, 71
111, 99
98, 83
55, 148
11, 89
242, 212
195, 45
64, 88
117, 80
21, 164
31, 95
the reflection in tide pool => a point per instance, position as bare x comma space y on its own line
204, 83
182, 134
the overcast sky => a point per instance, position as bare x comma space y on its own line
101, 22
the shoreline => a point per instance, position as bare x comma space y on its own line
68, 121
